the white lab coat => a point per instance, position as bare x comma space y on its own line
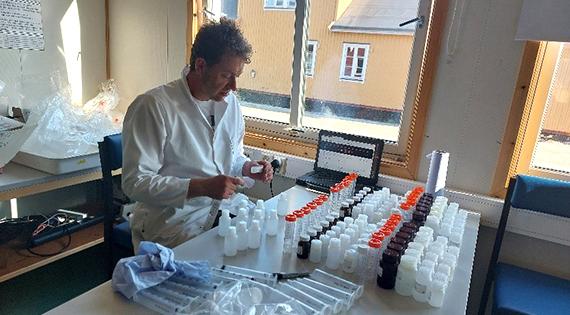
167, 141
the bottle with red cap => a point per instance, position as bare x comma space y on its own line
373, 258
290, 224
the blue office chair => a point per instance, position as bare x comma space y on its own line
117, 235
518, 290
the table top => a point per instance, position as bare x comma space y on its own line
20, 181
208, 246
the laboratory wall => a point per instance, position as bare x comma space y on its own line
147, 44
472, 94
28, 72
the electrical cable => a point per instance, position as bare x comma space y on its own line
55, 253
275, 164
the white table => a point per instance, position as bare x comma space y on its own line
208, 246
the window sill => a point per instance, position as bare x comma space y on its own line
351, 80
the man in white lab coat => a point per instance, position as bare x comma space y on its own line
183, 142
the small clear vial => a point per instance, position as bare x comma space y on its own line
290, 223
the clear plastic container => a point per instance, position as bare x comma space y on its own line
290, 224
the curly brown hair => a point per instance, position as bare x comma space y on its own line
214, 39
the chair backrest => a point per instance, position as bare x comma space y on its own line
532, 193
544, 195
111, 155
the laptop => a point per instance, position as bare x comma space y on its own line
339, 154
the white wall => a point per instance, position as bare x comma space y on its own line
147, 44
35, 67
472, 93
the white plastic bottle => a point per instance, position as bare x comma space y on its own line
230, 242
333, 254
241, 230
350, 261
438, 288
271, 223
224, 223
316, 251
406, 276
423, 281
254, 235
282, 205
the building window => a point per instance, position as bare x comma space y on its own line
542, 145
353, 62
280, 4
310, 58
280, 103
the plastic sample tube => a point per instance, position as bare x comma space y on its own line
156, 303
335, 303
347, 298
338, 282
170, 294
289, 235
244, 273
317, 305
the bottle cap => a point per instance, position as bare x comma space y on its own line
304, 237
290, 218
344, 204
375, 243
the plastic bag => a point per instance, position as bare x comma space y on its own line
65, 130
246, 297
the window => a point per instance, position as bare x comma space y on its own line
310, 58
353, 62
542, 146
282, 106
280, 4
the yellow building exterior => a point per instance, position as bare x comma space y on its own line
270, 31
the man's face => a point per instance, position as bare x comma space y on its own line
219, 79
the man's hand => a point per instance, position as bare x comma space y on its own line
217, 187
266, 173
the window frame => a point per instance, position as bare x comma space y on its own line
526, 117
354, 66
285, 6
313, 62
402, 159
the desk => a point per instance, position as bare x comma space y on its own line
102, 299
20, 181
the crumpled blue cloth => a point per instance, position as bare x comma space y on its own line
154, 264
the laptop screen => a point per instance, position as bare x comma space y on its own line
344, 153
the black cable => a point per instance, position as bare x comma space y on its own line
56, 253
275, 164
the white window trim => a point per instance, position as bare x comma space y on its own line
314, 61
284, 7
355, 46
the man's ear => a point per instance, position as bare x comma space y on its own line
200, 65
